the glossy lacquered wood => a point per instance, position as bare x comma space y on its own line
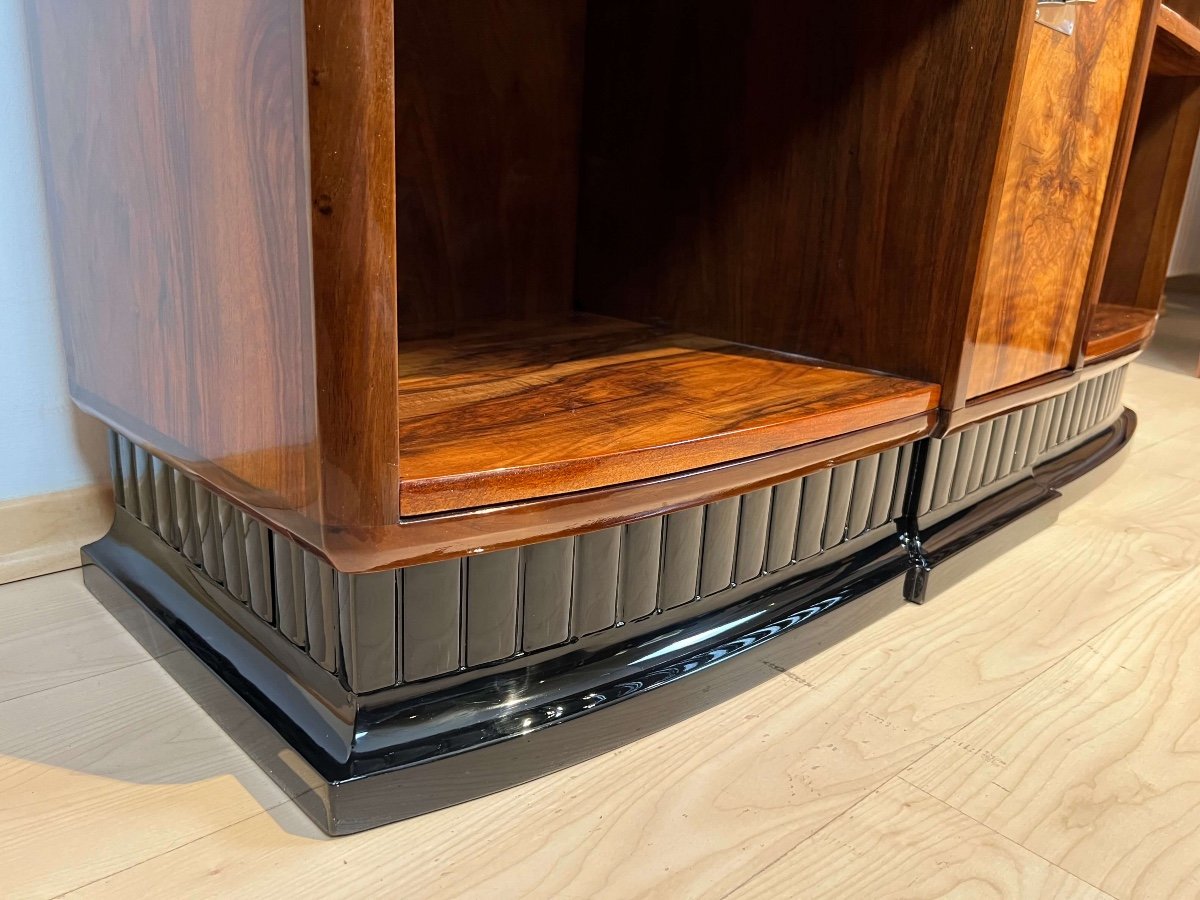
352, 152
352, 761
488, 111
432, 151
1006, 400
530, 410
221, 216
1065, 126
1176, 45
173, 150
245, 322
814, 183
1116, 328
1118, 171
1152, 201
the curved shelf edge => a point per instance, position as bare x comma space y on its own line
1115, 329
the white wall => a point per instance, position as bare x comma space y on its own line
45, 445
1185, 257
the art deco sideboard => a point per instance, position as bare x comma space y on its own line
483, 376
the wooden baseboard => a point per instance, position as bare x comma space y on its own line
43, 534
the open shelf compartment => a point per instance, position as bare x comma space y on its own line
593, 292
519, 410
1176, 45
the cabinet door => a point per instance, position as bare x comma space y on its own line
1048, 206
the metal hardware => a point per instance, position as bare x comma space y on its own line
1059, 15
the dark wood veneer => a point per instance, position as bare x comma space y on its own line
761, 173
455, 346
207, 285
1028, 392
173, 149
488, 109
534, 409
1048, 212
1176, 46
1115, 328
353, 218
1151, 203
317, 205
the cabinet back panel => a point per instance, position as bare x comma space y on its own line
488, 97
794, 178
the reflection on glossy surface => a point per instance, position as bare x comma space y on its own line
355, 761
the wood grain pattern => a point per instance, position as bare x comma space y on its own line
54, 633
418, 539
148, 791
1065, 129
1091, 766
206, 310
1034, 390
698, 810
173, 150
1189, 10
497, 415
849, 228
1116, 328
353, 152
900, 842
1131, 105
488, 109
1154, 190
1176, 45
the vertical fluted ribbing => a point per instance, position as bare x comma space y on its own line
982, 454
434, 619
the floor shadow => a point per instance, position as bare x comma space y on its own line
1175, 346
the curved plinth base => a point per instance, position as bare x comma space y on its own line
356, 760
352, 765
954, 545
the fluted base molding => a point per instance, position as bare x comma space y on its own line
354, 759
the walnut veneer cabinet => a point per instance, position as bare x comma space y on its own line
484, 374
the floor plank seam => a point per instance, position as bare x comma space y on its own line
1051, 665
265, 811
1005, 837
85, 678
5, 583
1045, 673
779, 859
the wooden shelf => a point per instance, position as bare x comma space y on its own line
1114, 328
1176, 46
526, 410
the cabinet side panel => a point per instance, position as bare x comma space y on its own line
1065, 134
173, 155
352, 122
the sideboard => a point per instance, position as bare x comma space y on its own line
482, 376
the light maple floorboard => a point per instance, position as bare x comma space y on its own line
901, 842
838, 771
1095, 765
53, 632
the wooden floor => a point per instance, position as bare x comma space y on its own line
1034, 732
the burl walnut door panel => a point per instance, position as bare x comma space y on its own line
1065, 127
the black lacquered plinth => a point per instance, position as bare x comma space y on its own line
358, 750
353, 762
